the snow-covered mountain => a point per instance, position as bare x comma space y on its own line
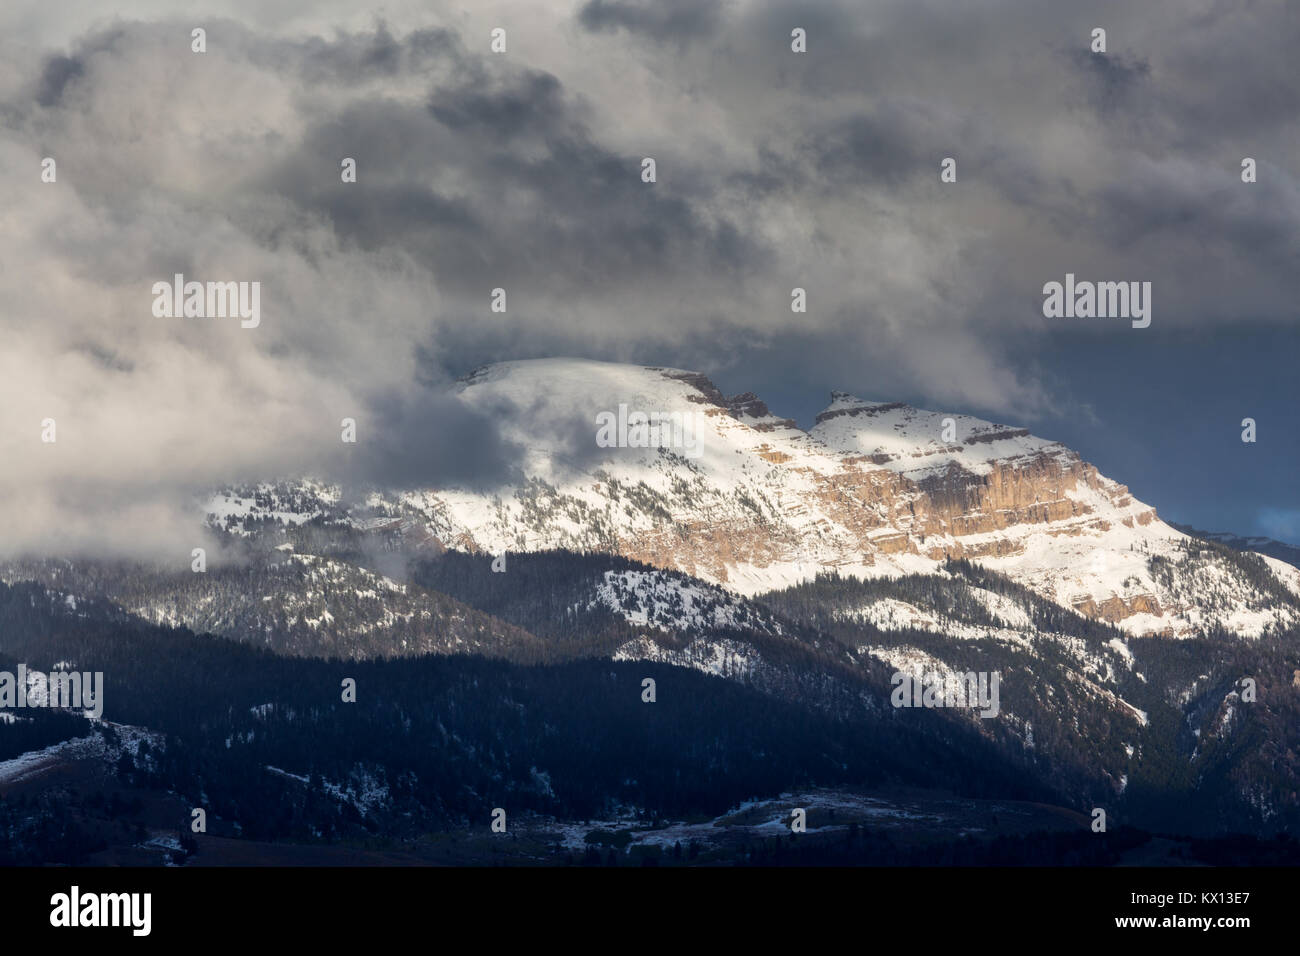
721, 489
651, 519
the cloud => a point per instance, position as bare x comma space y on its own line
659, 19
522, 171
1113, 81
59, 71
421, 434
1281, 524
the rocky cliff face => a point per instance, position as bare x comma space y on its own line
736, 496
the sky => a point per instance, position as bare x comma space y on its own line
522, 170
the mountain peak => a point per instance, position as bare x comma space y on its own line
846, 403
721, 489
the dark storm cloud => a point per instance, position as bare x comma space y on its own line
405, 437
1256, 224
659, 19
870, 149
59, 71
356, 57
407, 215
549, 206
1111, 80
533, 103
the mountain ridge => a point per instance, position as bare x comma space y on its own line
872, 489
